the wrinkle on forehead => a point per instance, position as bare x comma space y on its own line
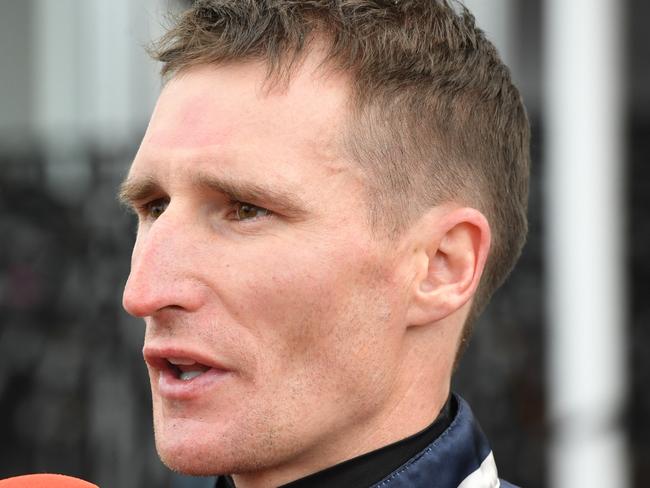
238, 90
193, 111
192, 126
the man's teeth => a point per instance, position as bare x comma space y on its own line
181, 361
188, 375
186, 368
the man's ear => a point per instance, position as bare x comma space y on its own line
453, 246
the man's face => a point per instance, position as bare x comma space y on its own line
254, 266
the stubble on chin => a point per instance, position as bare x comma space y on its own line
246, 451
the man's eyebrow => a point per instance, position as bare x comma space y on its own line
137, 189
284, 201
141, 188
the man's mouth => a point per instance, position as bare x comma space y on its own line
183, 374
186, 369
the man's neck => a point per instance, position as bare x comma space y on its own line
368, 468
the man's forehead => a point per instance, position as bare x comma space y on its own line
210, 105
223, 113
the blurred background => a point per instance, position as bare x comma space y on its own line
559, 368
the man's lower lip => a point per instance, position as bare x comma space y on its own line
172, 387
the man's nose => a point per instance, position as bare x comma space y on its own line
163, 271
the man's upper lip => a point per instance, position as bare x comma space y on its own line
157, 355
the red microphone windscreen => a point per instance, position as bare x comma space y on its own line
45, 481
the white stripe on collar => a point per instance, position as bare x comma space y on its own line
485, 476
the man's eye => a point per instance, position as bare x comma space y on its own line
248, 211
156, 208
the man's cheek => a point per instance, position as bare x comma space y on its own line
301, 315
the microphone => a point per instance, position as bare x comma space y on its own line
45, 481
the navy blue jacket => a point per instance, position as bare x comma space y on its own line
459, 458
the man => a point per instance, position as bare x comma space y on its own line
328, 193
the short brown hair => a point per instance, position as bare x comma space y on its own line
435, 115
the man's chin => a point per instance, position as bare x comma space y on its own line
190, 446
208, 458
199, 454
190, 460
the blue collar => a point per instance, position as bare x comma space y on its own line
459, 458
